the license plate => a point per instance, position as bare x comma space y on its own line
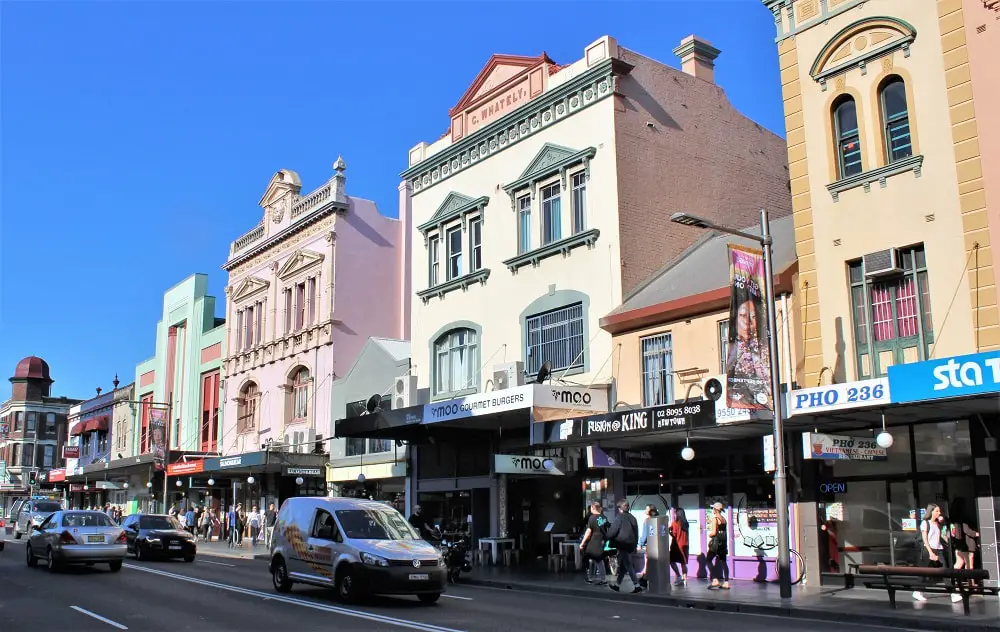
95, 539
175, 546
418, 577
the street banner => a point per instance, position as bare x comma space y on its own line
158, 435
748, 365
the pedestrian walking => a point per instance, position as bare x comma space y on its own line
270, 519
190, 520
592, 545
624, 532
718, 548
932, 551
232, 522
254, 520
679, 546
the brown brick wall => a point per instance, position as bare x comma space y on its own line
700, 156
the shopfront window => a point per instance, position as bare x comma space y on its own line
943, 447
897, 458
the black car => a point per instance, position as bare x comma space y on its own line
159, 536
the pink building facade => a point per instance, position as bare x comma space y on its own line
307, 286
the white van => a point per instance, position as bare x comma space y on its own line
359, 547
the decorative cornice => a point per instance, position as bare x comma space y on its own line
552, 159
865, 178
849, 32
593, 85
309, 220
460, 283
455, 206
563, 247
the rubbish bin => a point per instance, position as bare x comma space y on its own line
658, 555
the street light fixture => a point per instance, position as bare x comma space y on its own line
780, 489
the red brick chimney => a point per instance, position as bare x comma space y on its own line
697, 57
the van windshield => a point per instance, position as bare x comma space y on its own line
47, 507
375, 524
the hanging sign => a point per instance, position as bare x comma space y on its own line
839, 396
841, 447
748, 365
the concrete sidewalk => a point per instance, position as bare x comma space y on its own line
218, 548
827, 603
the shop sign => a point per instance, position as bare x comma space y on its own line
959, 376
839, 396
770, 456
841, 447
520, 464
187, 467
558, 402
833, 487
645, 420
232, 461
71, 452
248, 459
57, 476
478, 405
76, 487
303, 471
545, 402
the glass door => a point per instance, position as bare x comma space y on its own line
904, 533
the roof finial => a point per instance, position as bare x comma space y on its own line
115, 381
340, 165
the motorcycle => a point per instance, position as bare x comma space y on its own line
457, 557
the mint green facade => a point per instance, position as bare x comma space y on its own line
198, 351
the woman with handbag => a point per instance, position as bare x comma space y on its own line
718, 548
932, 549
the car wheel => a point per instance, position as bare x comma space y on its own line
188, 558
51, 560
279, 574
139, 555
347, 586
1, 545
115, 566
429, 597
17, 534
31, 559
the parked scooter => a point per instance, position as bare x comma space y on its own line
457, 557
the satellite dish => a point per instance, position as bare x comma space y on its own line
544, 372
713, 389
372, 405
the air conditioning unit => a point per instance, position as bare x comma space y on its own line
318, 445
300, 441
882, 263
508, 375
404, 392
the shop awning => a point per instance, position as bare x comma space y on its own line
96, 424
897, 414
78, 429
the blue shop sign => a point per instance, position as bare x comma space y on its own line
959, 376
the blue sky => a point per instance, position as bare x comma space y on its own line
137, 137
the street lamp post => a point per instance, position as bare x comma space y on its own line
780, 489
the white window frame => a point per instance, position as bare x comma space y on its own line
455, 255
475, 244
446, 348
551, 231
523, 224
434, 260
578, 201
657, 366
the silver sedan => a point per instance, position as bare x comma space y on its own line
77, 537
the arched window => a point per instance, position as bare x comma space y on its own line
456, 361
246, 416
845, 125
895, 119
300, 394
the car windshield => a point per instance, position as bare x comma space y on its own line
47, 507
375, 524
86, 519
159, 522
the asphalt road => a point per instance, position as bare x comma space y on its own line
216, 594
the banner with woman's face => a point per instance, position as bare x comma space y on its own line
158, 435
748, 364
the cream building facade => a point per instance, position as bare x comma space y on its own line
891, 221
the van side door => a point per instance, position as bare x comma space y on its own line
314, 550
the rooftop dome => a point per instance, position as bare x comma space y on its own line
32, 368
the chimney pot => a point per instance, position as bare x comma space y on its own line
697, 57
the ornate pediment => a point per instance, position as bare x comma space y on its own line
861, 42
550, 160
497, 72
299, 261
454, 206
280, 193
247, 288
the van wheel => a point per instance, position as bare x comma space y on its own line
17, 534
347, 585
429, 597
279, 574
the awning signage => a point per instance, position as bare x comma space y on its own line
185, 467
304, 471
841, 448
839, 397
633, 423
547, 402
959, 376
57, 476
249, 459
520, 464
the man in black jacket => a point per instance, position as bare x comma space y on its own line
624, 533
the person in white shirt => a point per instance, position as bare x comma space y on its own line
254, 520
932, 552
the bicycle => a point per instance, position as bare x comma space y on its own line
797, 567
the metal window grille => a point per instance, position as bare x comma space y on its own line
657, 370
557, 337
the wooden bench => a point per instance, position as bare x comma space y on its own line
911, 578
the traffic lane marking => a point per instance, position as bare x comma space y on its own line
216, 563
99, 617
457, 597
358, 614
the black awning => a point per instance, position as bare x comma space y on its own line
408, 424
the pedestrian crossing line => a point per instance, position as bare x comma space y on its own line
358, 614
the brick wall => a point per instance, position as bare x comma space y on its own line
700, 156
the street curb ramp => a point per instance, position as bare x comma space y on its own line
710, 605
